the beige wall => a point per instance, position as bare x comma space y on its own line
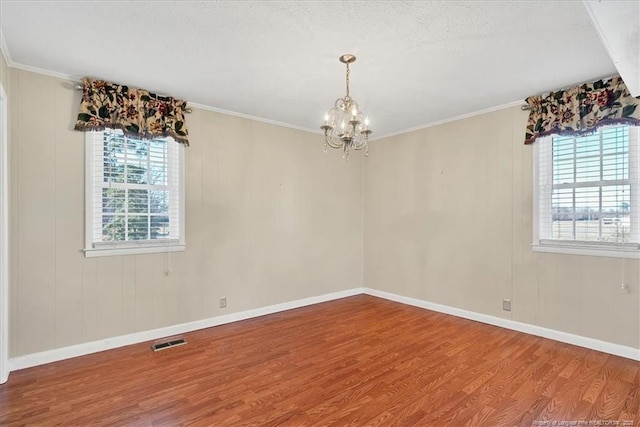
448, 219
269, 219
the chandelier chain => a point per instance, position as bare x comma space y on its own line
348, 72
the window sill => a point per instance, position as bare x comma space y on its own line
98, 252
587, 250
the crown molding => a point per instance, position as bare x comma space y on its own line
45, 72
452, 119
254, 118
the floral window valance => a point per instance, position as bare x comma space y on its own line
581, 109
137, 112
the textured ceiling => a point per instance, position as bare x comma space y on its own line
418, 62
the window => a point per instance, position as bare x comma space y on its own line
587, 193
134, 200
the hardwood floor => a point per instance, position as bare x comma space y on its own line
356, 361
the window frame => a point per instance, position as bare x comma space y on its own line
631, 250
92, 199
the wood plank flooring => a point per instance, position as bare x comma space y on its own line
351, 362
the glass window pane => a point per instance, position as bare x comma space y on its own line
137, 161
616, 209
563, 171
113, 228
113, 159
142, 212
562, 229
588, 146
588, 228
562, 148
158, 150
137, 171
113, 200
589, 207
160, 227
588, 199
159, 201
562, 200
588, 169
158, 173
616, 199
138, 227
138, 201
615, 140
615, 167
137, 148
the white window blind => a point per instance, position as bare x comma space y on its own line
134, 194
588, 188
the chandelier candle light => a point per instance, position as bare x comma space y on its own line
345, 125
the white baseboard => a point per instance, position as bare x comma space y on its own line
565, 337
41, 358
35, 359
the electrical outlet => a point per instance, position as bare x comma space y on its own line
223, 302
506, 304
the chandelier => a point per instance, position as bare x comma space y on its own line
345, 125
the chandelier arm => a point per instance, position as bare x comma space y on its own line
361, 145
331, 140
